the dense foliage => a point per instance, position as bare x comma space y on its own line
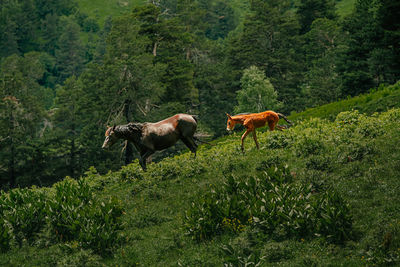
65, 74
272, 203
323, 192
320, 193
70, 214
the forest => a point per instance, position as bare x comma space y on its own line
65, 75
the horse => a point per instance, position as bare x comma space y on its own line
150, 137
252, 121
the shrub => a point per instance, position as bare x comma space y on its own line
356, 150
5, 235
235, 255
278, 140
332, 217
74, 214
319, 162
309, 143
131, 172
179, 166
23, 211
272, 203
370, 127
348, 118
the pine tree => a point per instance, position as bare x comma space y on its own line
323, 44
310, 10
270, 41
363, 36
22, 114
70, 53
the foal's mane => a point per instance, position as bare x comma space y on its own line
244, 113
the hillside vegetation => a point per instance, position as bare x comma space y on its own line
378, 100
69, 68
100, 10
323, 192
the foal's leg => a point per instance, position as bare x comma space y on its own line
271, 125
243, 137
255, 139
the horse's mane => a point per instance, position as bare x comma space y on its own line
129, 129
135, 126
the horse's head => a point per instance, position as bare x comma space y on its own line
111, 137
230, 124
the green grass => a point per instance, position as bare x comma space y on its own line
378, 100
101, 9
357, 156
345, 7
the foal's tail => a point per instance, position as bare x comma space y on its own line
286, 119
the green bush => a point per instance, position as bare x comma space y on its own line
355, 150
309, 143
178, 166
274, 204
23, 211
348, 118
5, 235
278, 139
332, 217
74, 214
320, 162
131, 172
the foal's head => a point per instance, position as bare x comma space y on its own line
111, 137
230, 124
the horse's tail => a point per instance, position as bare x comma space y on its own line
195, 117
285, 118
201, 141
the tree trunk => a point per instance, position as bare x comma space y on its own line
13, 179
128, 149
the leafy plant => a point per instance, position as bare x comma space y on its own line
236, 256
272, 203
310, 142
5, 235
23, 211
74, 214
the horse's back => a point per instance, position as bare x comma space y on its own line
180, 124
186, 124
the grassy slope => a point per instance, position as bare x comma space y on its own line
353, 159
379, 100
101, 9
345, 7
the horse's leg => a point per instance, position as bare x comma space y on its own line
190, 143
143, 158
255, 139
243, 137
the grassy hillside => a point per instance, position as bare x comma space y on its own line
320, 193
101, 9
378, 100
345, 7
